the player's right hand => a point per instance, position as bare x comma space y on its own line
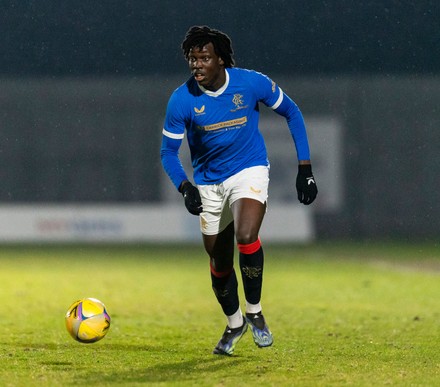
191, 196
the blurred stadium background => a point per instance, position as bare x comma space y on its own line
84, 87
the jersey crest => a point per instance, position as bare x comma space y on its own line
238, 101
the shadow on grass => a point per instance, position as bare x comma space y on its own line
133, 363
197, 370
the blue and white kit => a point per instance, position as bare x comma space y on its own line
222, 126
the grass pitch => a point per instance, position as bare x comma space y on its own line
341, 314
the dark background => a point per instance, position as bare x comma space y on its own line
42, 37
84, 86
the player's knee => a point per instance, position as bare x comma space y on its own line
220, 271
245, 237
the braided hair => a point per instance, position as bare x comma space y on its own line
199, 36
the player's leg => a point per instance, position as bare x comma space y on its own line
220, 249
248, 215
249, 197
216, 224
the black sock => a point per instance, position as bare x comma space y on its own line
225, 289
251, 266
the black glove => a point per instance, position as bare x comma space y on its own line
305, 184
193, 202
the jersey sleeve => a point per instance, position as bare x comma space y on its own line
295, 121
172, 136
272, 96
266, 90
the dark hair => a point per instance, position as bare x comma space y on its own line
199, 36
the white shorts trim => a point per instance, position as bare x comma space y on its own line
252, 183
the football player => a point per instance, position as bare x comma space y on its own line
218, 109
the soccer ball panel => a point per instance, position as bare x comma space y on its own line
94, 328
91, 307
87, 320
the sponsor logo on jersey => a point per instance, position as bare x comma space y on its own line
230, 124
274, 86
200, 111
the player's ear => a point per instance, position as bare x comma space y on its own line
221, 61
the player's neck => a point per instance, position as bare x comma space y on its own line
218, 83
218, 90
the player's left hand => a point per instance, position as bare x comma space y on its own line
306, 185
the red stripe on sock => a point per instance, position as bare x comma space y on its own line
219, 274
249, 248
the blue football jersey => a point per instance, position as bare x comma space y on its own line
222, 126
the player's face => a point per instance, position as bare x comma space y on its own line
206, 67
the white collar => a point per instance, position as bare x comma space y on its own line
219, 91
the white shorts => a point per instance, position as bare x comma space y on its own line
217, 199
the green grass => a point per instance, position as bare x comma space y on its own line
341, 314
